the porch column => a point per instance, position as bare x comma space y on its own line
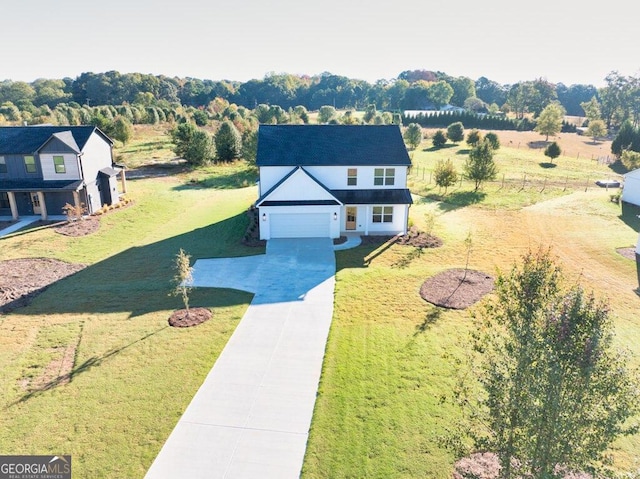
76, 199
123, 180
13, 205
43, 206
366, 220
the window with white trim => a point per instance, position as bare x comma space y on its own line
382, 214
58, 164
3, 165
30, 164
384, 176
352, 176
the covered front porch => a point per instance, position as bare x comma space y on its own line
39, 198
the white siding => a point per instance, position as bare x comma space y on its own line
365, 224
333, 177
631, 188
70, 163
95, 156
300, 186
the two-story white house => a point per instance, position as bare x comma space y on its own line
43, 168
323, 180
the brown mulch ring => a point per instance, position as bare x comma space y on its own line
414, 237
629, 253
79, 227
23, 279
340, 240
185, 319
454, 289
419, 239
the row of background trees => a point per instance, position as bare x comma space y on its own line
412, 90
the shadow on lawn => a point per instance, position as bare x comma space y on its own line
138, 280
85, 366
222, 181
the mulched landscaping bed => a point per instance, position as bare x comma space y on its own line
454, 289
23, 279
185, 319
414, 237
79, 227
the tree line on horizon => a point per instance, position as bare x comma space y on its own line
411, 90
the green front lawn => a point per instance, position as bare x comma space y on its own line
105, 329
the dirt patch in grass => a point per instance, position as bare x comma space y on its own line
78, 228
456, 288
629, 253
186, 319
23, 279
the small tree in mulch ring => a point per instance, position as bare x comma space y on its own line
184, 276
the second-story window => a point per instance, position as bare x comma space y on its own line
30, 164
384, 176
352, 176
3, 165
58, 164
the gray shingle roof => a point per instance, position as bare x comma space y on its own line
368, 197
40, 185
26, 140
324, 145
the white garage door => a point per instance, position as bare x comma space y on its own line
300, 225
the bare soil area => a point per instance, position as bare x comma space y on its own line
23, 279
78, 228
456, 288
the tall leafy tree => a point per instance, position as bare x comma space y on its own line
413, 135
558, 392
439, 93
480, 165
192, 144
550, 120
228, 142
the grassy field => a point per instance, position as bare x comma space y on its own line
391, 357
91, 368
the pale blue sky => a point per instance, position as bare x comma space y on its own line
505, 40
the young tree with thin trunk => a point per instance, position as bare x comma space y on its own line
480, 165
183, 277
557, 391
445, 174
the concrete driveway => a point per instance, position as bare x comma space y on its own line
251, 416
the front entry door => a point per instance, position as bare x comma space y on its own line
35, 202
351, 217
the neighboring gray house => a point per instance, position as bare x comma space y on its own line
322, 180
42, 168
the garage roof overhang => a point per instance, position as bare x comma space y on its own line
299, 180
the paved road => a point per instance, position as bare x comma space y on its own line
251, 416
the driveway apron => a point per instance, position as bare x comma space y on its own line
251, 416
